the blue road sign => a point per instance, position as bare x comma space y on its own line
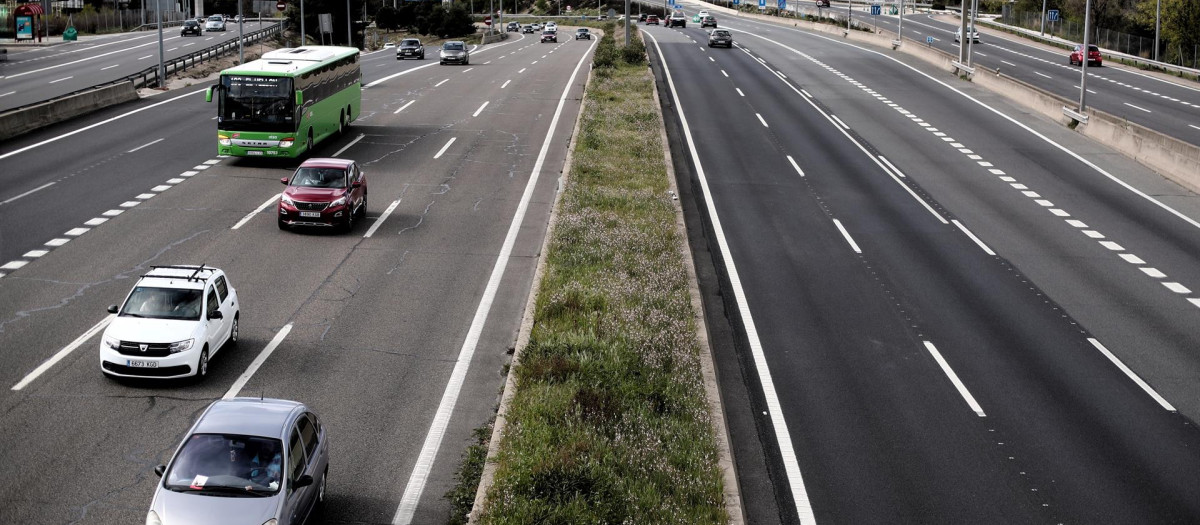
783, 4
762, 4
1052, 15
876, 9
929, 40
737, 2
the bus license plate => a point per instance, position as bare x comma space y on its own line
141, 364
253, 152
310, 214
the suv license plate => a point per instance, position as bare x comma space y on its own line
141, 364
310, 214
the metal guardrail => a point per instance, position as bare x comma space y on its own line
149, 76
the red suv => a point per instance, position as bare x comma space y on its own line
1093, 56
324, 192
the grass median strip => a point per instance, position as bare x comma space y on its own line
609, 422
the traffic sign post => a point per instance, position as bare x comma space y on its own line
762, 5
487, 20
1052, 15
782, 5
875, 10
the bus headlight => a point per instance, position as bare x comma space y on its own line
286, 143
224, 140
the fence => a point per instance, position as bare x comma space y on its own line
1108, 39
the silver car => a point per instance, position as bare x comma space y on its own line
245, 461
455, 51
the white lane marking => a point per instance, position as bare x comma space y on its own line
175, 181
534, 62
796, 166
480, 110
347, 146
846, 234
7, 94
1135, 107
1089, 91
1112, 246
188, 174
60, 80
76, 232
96, 221
1193, 126
505, 84
522, 70
145, 196
1042, 74
893, 167
161, 188
13, 265
442, 82
101, 123
258, 361
724, 73
394, 75
973, 237
259, 209
485, 63
739, 90
437, 430
710, 59
839, 121
1137, 380
57, 242
130, 204
1177, 288
760, 119
42, 187
109, 67
147, 56
1132, 259
962, 389
402, 108
379, 222
66, 350
1153, 272
782, 436
1093, 234
34, 254
467, 69
212, 162
444, 148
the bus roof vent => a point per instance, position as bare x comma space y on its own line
279, 62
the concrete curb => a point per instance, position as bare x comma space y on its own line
17, 122
510, 383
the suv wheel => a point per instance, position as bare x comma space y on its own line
362, 208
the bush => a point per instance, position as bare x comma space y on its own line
607, 53
938, 5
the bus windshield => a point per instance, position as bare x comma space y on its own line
248, 103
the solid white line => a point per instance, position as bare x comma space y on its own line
444, 148
794, 165
480, 110
258, 361
256, 211
962, 389
42, 187
7, 94
405, 72
839, 121
892, 166
1193, 126
760, 119
505, 84
101, 123
1137, 380
347, 146
442, 82
1135, 107
783, 437
379, 221
404, 107
61, 79
846, 234
433, 440
973, 237
66, 350
739, 90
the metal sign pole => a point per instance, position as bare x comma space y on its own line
162, 67
1083, 60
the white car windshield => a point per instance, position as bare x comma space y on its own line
163, 303
227, 464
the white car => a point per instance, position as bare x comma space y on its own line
552, 26
172, 322
703, 13
974, 34
215, 23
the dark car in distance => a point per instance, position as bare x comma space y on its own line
513, 26
720, 37
549, 36
582, 33
324, 193
190, 27
410, 48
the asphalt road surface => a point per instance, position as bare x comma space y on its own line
937, 307
380, 318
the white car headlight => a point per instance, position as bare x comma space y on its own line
112, 342
181, 346
340, 201
152, 519
287, 200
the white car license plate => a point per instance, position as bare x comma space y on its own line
310, 214
141, 364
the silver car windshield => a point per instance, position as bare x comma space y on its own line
320, 178
227, 465
453, 47
163, 303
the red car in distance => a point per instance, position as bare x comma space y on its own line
1093, 59
652, 19
324, 193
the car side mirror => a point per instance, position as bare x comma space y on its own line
304, 481
356, 184
112, 308
160, 470
284, 181
216, 314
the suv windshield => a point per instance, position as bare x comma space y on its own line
248, 103
163, 303
320, 178
410, 42
227, 465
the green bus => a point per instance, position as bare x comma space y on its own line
286, 102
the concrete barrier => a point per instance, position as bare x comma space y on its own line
16, 122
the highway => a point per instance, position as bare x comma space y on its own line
929, 305
396, 333
35, 74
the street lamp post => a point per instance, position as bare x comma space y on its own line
1043, 30
350, 29
1083, 60
1157, 21
162, 67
